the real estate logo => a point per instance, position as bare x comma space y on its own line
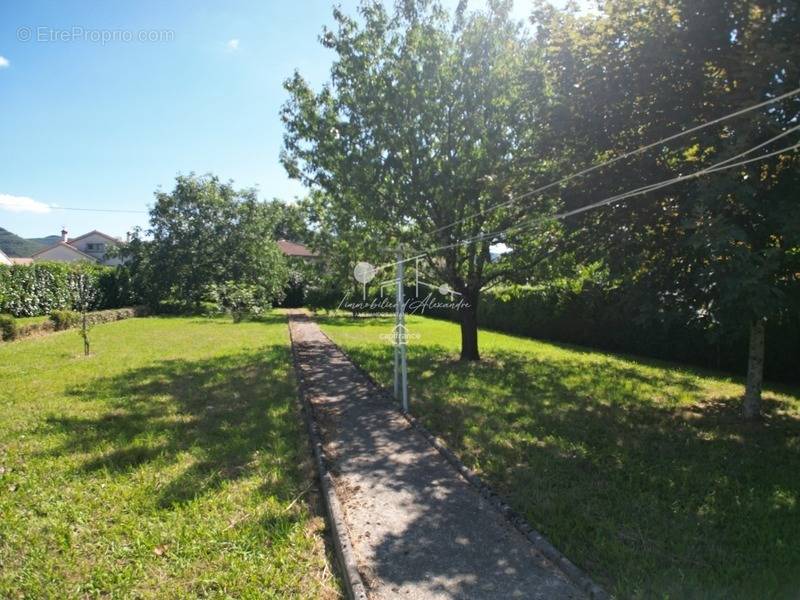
399, 336
365, 273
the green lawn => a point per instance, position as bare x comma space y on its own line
640, 471
169, 463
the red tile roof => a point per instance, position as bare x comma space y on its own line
295, 249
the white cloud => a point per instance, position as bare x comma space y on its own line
233, 45
4, 62
22, 204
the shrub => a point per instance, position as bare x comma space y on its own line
240, 299
115, 314
64, 319
209, 309
8, 327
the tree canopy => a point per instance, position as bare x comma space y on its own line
424, 123
206, 233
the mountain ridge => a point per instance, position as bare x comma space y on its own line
19, 247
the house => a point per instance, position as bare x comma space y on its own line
92, 246
295, 250
4, 259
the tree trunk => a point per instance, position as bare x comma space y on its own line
755, 371
469, 330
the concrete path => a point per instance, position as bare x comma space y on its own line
417, 528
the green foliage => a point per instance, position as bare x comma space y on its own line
21, 327
205, 233
8, 327
289, 222
40, 288
619, 319
240, 299
719, 248
423, 124
305, 276
64, 319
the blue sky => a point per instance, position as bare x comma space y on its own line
90, 124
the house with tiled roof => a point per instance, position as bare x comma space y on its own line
92, 247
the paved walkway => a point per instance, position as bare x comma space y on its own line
418, 530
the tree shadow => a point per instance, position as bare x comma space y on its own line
228, 413
651, 494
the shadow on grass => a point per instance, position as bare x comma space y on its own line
232, 414
653, 496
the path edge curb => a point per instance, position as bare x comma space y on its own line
537, 540
345, 556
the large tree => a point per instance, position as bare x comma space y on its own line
722, 249
205, 233
424, 124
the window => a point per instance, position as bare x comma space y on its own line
95, 247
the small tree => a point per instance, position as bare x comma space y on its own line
85, 296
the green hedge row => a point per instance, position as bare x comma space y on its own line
40, 288
13, 329
615, 320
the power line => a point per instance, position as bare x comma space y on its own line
621, 157
107, 210
716, 167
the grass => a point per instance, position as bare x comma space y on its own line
640, 471
169, 463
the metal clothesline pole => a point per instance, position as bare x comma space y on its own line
400, 361
396, 344
404, 338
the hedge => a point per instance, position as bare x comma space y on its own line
13, 329
40, 288
614, 320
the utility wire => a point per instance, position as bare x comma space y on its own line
107, 210
587, 170
716, 167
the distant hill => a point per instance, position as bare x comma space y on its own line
13, 245
46, 241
